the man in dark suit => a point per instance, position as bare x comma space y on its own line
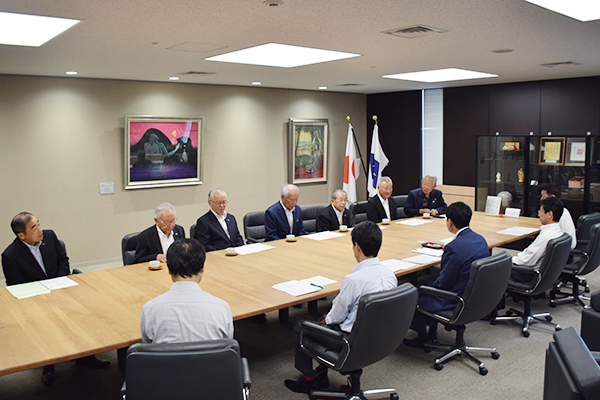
153, 243
466, 247
426, 199
35, 255
335, 215
381, 205
285, 216
217, 229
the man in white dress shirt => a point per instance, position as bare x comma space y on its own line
566, 220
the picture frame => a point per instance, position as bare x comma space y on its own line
552, 151
307, 150
162, 151
575, 153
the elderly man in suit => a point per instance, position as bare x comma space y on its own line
426, 199
34, 255
217, 229
153, 243
381, 205
335, 215
285, 216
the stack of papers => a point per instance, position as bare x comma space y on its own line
422, 259
413, 222
252, 248
429, 252
305, 286
518, 231
324, 235
397, 265
31, 289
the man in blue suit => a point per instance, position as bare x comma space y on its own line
426, 199
217, 229
466, 247
285, 216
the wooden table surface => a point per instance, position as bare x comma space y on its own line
103, 312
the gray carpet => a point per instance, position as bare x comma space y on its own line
517, 374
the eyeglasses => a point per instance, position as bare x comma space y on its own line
168, 222
219, 203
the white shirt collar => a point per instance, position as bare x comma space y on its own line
218, 216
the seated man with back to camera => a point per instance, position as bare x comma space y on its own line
186, 313
217, 229
455, 269
369, 276
426, 199
335, 214
153, 243
566, 220
382, 205
35, 255
285, 216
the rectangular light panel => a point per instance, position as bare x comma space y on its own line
582, 10
31, 30
281, 55
441, 75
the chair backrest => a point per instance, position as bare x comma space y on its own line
593, 251
571, 372
358, 212
192, 231
399, 202
309, 218
254, 227
486, 286
128, 245
196, 370
584, 225
382, 321
553, 262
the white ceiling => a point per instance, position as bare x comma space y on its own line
152, 40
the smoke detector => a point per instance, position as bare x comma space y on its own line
273, 3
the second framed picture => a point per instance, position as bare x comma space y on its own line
307, 147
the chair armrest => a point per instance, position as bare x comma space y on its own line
250, 240
322, 330
523, 268
439, 292
246, 373
124, 390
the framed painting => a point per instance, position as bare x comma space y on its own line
575, 152
162, 151
307, 146
552, 151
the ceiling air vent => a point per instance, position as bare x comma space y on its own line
414, 31
197, 73
560, 64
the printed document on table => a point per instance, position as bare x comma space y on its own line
429, 252
318, 280
25, 290
518, 231
59, 283
397, 265
323, 235
413, 222
296, 288
447, 240
422, 259
252, 248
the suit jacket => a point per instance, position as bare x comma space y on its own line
210, 233
328, 220
276, 223
455, 270
376, 212
416, 200
20, 266
148, 243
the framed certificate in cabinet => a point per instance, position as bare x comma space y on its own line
552, 151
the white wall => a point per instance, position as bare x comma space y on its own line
63, 136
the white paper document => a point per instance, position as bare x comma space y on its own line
318, 280
422, 259
413, 222
447, 240
512, 212
24, 290
59, 283
252, 248
296, 288
397, 265
323, 235
518, 231
429, 252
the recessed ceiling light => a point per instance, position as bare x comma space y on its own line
71, 72
31, 30
281, 55
322, 87
257, 83
441, 75
173, 78
582, 10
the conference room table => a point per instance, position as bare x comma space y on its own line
103, 311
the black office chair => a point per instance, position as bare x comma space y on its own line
583, 229
382, 320
486, 286
254, 227
211, 369
590, 323
192, 231
358, 212
128, 245
542, 279
571, 371
309, 218
399, 202
582, 263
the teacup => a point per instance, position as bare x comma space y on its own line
230, 250
385, 221
290, 237
343, 228
426, 215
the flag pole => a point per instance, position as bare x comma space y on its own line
357, 146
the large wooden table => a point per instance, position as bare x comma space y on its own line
103, 312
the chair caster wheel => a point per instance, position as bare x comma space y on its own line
495, 355
438, 367
526, 333
552, 305
549, 318
508, 313
483, 370
394, 396
557, 328
428, 349
493, 322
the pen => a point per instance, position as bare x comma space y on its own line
320, 287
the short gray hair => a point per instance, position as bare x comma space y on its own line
336, 192
162, 208
285, 190
433, 177
211, 194
384, 179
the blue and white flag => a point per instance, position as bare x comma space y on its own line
377, 163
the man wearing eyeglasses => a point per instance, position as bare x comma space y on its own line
217, 229
153, 243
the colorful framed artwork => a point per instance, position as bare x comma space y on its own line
162, 151
308, 139
552, 151
575, 152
